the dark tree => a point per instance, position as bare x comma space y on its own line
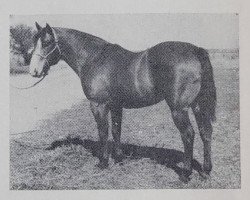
21, 41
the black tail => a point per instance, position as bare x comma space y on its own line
207, 96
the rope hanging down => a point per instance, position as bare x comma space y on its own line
23, 88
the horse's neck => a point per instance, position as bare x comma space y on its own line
77, 49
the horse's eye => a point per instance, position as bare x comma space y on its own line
45, 44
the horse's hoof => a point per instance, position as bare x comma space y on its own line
119, 162
102, 165
204, 175
118, 159
185, 175
185, 179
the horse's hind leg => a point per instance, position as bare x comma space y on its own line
205, 129
182, 122
100, 112
185, 88
116, 116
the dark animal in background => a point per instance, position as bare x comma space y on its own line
114, 78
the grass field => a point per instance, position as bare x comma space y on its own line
53, 137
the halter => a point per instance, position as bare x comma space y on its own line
52, 51
56, 47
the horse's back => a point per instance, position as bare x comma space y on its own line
172, 53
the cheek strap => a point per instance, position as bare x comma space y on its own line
45, 57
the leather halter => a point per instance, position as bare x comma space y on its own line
52, 51
45, 57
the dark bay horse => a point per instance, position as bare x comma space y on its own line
114, 78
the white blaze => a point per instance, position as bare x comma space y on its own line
37, 63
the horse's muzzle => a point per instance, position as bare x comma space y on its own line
36, 75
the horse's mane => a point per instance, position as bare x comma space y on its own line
80, 34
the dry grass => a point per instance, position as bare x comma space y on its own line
150, 140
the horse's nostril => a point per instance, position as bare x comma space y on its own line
34, 73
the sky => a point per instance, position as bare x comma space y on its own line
140, 31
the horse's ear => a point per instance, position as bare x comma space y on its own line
49, 29
38, 26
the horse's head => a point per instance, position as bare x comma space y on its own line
46, 51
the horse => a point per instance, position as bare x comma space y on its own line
114, 78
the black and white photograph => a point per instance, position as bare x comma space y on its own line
124, 101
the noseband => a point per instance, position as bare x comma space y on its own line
45, 57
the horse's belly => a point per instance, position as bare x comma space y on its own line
139, 104
139, 90
137, 100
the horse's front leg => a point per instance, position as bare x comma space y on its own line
100, 112
116, 116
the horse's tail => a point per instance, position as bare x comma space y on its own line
207, 96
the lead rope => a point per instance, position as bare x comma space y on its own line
23, 88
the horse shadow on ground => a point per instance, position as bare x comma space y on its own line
167, 157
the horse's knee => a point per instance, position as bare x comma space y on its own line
102, 125
206, 137
189, 134
177, 115
181, 120
99, 111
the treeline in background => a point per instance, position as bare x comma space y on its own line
21, 45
